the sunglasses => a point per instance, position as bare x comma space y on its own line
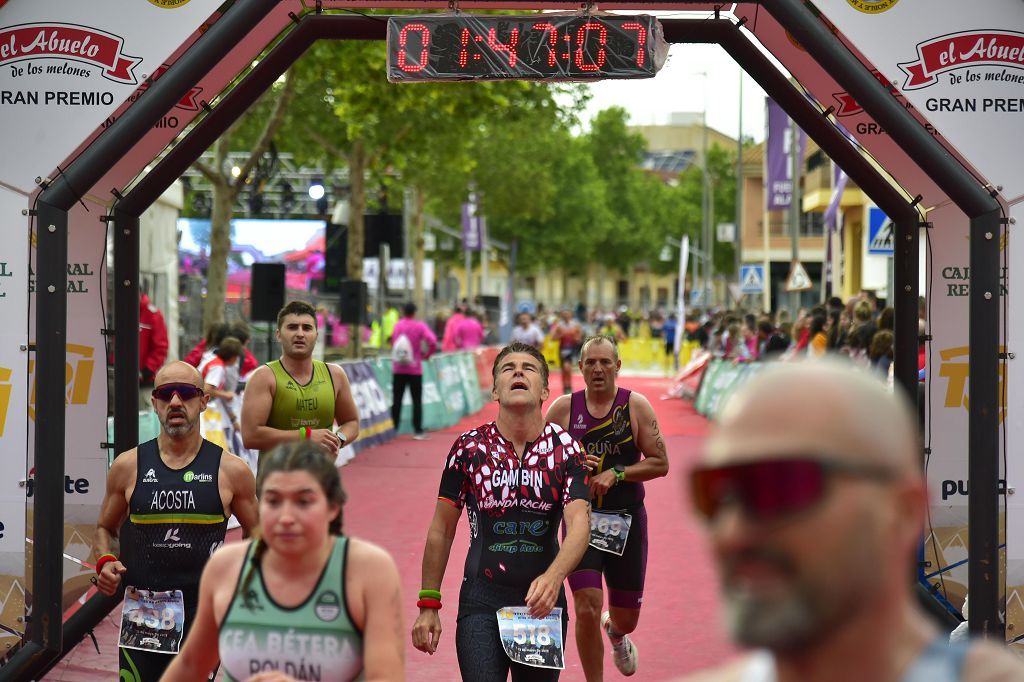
185, 391
771, 489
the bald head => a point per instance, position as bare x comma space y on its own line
178, 372
820, 408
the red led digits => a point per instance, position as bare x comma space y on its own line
641, 39
510, 48
464, 53
552, 40
403, 38
581, 39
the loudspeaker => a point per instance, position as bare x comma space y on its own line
352, 298
383, 228
335, 257
267, 291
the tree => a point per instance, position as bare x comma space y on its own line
254, 130
721, 164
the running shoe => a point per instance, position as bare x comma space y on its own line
420, 436
624, 653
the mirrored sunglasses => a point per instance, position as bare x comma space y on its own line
771, 489
185, 391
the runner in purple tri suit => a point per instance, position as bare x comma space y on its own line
625, 447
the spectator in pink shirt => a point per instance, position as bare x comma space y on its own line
448, 340
412, 342
470, 332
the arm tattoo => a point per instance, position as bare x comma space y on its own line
658, 440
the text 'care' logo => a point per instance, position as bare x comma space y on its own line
190, 477
957, 372
72, 42
872, 6
958, 50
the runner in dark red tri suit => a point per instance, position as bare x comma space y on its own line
517, 477
620, 434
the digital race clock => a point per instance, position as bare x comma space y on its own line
536, 47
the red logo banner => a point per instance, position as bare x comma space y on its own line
68, 41
848, 105
955, 51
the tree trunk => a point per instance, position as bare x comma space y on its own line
419, 295
356, 229
220, 246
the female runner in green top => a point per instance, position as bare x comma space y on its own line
302, 601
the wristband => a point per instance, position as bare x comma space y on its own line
305, 432
429, 604
103, 560
430, 594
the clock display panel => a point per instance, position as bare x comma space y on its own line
560, 47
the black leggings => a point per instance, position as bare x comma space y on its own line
415, 384
483, 659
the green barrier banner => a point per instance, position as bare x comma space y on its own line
470, 382
435, 415
449, 382
720, 382
706, 386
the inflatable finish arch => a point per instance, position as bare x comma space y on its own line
930, 173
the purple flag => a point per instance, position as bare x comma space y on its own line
470, 227
839, 179
779, 184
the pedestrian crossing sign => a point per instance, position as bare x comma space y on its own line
798, 279
752, 279
881, 233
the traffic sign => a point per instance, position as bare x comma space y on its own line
881, 233
752, 279
798, 279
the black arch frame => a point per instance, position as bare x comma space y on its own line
51, 639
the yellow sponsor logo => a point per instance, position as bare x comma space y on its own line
5, 396
77, 376
869, 6
169, 4
956, 371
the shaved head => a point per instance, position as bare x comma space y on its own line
817, 408
178, 372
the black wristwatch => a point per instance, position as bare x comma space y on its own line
620, 473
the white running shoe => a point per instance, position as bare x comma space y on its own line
624, 654
421, 436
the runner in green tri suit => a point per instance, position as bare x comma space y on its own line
297, 397
303, 600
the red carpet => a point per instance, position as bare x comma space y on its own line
679, 628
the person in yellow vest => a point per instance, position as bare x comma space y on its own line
388, 322
296, 397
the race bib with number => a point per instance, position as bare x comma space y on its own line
609, 531
152, 621
532, 641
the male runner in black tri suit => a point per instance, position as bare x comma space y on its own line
170, 498
517, 477
619, 432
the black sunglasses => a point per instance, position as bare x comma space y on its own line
772, 489
185, 391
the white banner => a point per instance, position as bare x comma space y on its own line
959, 63
396, 273
65, 66
14, 386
